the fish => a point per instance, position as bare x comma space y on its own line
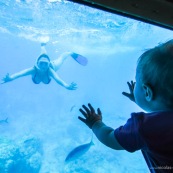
29, 141
4, 121
78, 151
72, 108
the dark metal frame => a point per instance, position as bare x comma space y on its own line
156, 12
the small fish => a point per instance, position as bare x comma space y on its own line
4, 121
28, 141
72, 108
78, 151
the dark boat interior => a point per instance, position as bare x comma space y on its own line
156, 12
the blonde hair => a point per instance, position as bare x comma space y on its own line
156, 69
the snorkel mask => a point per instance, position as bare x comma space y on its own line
43, 56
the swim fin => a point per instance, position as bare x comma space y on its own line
80, 59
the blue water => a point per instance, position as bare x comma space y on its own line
42, 123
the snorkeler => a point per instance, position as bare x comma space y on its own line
45, 69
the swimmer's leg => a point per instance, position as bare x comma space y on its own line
79, 58
58, 62
44, 40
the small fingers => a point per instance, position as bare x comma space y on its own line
82, 119
86, 109
130, 87
84, 113
126, 94
91, 108
99, 112
133, 84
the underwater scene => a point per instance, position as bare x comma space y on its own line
92, 54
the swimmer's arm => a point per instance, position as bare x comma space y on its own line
22, 73
55, 76
14, 76
106, 135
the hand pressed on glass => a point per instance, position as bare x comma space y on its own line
90, 116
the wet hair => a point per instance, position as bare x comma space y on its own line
43, 56
155, 67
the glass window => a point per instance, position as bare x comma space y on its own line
39, 108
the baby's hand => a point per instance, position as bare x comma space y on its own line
72, 86
90, 116
131, 88
7, 78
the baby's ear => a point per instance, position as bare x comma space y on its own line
148, 92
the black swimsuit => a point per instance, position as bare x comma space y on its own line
36, 75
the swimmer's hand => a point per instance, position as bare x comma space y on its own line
72, 86
90, 116
131, 88
7, 78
